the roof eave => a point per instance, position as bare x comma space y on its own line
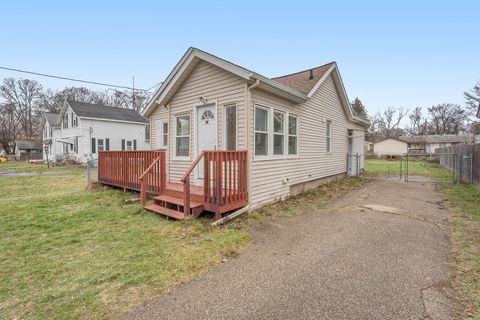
280, 89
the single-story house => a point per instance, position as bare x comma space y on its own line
87, 128
390, 146
28, 150
428, 143
280, 135
51, 132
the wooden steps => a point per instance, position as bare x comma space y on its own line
171, 204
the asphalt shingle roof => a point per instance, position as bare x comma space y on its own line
435, 138
91, 110
303, 81
28, 145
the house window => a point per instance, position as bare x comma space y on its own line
292, 134
261, 131
100, 145
231, 127
65, 121
162, 134
147, 132
182, 136
75, 144
74, 121
329, 136
129, 145
278, 133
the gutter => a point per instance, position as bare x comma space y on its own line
249, 125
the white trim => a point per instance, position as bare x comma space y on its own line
224, 124
196, 152
322, 79
255, 106
159, 128
175, 157
285, 115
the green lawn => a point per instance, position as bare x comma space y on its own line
66, 253
22, 166
380, 167
463, 202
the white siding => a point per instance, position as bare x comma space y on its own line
269, 177
390, 147
218, 86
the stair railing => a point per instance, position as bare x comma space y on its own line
157, 180
186, 184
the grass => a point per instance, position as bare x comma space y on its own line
416, 167
22, 166
66, 253
463, 202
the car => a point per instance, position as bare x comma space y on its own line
3, 159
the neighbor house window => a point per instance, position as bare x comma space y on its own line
65, 121
278, 133
292, 134
75, 144
100, 145
129, 144
261, 131
231, 127
329, 136
182, 136
74, 120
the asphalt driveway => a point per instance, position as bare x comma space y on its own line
381, 252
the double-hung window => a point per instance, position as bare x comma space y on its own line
231, 127
261, 131
182, 136
278, 133
100, 145
328, 135
292, 134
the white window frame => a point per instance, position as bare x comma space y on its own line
175, 117
268, 132
279, 134
296, 154
270, 116
159, 129
97, 145
225, 106
328, 136
126, 145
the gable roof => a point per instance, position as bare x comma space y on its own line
52, 118
292, 87
98, 111
28, 144
304, 81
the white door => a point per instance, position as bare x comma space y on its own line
206, 133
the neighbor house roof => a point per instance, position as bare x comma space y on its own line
297, 87
52, 118
304, 81
390, 138
28, 144
98, 111
435, 138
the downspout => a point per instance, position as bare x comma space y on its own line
250, 129
167, 151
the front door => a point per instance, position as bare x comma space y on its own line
206, 133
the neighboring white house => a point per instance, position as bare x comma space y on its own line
390, 146
298, 129
51, 132
428, 143
87, 128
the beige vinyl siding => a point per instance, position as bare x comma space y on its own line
271, 179
218, 86
390, 147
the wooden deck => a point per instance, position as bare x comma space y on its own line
145, 171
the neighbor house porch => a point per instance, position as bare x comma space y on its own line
215, 181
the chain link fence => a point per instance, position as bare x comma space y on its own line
92, 171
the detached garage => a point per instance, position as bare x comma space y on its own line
390, 146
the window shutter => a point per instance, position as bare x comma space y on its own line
94, 150
107, 144
123, 144
134, 144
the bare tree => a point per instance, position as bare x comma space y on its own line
472, 98
389, 121
446, 118
8, 127
23, 95
417, 124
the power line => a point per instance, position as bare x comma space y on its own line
77, 80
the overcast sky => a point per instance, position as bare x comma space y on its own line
400, 53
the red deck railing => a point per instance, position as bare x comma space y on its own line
124, 168
224, 180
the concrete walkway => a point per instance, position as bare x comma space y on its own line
378, 253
